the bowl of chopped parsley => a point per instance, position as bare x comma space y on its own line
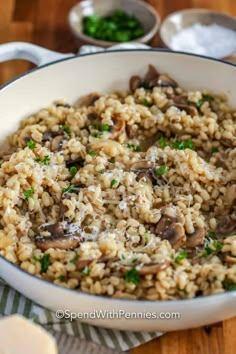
106, 23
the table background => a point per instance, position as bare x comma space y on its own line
44, 22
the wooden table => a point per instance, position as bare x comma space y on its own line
44, 22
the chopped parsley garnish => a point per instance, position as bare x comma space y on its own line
162, 141
161, 170
66, 129
146, 103
86, 270
31, 144
212, 235
45, 160
229, 285
92, 153
205, 98
105, 128
133, 147
132, 276
182, 145
199, 103
28, 193
74, 259
214, 149
113, 182
101, 171
122, 256
217, 247
134, 260
96, 135
61, 278
183, 291
73, 170
44, 261
68, 189
181, 255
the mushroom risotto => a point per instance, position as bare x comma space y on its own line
128, 194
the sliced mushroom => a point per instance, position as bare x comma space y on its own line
64, 105
82, 263
226, 226
145, 177
93, 116
230, 259
146, 269
196, 238
151, 76
57, 229
165, 80
57, 143
89, 100
141, 165
191, 110
119, 127
5, 157
180, 99
63, 243
49, 135
134, 83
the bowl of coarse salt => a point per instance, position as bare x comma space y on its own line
200, 31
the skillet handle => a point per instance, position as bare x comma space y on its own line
30, 52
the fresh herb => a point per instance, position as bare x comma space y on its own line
215, 246
61, 278
214, 149
45, 160
162, 141
31, 144
161, 170
212, 235
208, 251
207, 97
95, 126
66, 129
133, 147
182, 145
229, 285
146, 103
68, 189
119, 26
134, 260
44, 261
86, 270
199, 103
101, 171
28, 193
183, 291
96, 135
92, 153
112, 160
105, 128
181, 255
74, 259
73, 170
132, 276
122, 256
113, 182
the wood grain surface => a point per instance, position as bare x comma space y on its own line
44, 22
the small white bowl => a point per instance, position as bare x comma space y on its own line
144, 12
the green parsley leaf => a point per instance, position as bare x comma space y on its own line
133, 147
28, 193
208, 251
45, 160
101, 171
61, 278
181, 255
134, 260
146, 103
66, 129
86, 270
161, 170
182, 145
73, 170
113, 182
132, 276
31, 144
215, 246
105, 128
74, 259
229, 285
162, 141
214, 149
92, 153
45, 262
68, 189
207, 97
199, 103
212, 235
96, 135
122, 256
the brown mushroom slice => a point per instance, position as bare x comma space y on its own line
57, 143
180, 99
64, 105
141, 165
56, 230
150, 268
5, 157
134, 83
119, 127
196, 238
230, 259
175, 234
230, 195
82, 263
89, 100
145, 176
165, 80
167, 220
77, 162
151, 75
226, 226
191, 110
63, 243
